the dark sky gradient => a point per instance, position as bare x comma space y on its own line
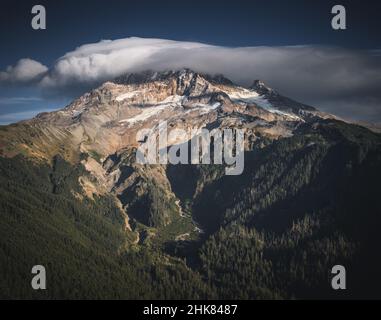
227, 23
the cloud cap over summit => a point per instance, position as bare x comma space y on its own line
341, 81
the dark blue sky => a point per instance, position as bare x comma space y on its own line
227, 23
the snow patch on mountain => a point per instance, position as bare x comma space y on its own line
203, 108
127, 95
146, 113
249, 96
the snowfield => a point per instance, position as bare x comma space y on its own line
248, 96
127, 95
148, 112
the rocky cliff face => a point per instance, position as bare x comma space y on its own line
99, 130
106, 119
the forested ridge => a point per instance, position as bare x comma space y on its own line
302, 205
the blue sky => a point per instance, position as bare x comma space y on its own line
227, 24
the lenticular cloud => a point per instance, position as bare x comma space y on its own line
310, 68
327, 77
107, 59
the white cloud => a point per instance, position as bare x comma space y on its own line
312, 66
312, 74
25, 70
107, 59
